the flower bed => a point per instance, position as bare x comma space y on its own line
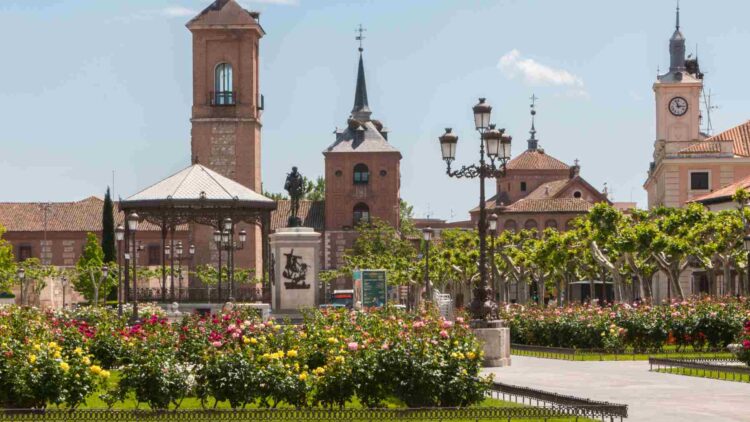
699, 323
334, 357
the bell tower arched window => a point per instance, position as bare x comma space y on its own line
361, 213
361, 174
223, 91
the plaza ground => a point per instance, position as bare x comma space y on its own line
650, 396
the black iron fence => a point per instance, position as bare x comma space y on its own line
603, 354
433, 414
208, 294
729, 369
576, 406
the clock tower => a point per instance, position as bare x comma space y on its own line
677, 95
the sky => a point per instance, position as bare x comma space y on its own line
92, 87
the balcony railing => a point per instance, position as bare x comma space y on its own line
223, 98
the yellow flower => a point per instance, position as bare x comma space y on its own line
37, 347
276, 327
96, 369
454, 355
332, 340
339, 359
253, 341
86, 360
291, 354
471, 355
303, 376
57, 355
303, 335
64, 366
319, 371
32, 359
52, 345
104, 374
245, 340
78, 351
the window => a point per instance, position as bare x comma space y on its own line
383, 173
361, 174
510, 225
530, 224
550, 224
361, 213
338, 173
523, 186
154, 255
24, 252
699, 180
223, 93
577, 194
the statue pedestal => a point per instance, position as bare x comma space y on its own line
296, 262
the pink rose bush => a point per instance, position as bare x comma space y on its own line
330, 360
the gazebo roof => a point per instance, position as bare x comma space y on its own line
198, 185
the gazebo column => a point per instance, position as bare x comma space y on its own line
265, 227
164, 259
126, 281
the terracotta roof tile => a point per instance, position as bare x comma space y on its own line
548, 190
80, 216
725, 193
549, 205
312, 214
536, 159
739, 135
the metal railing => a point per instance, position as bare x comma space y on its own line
729, 369
223, 98
564, 353
208, 294
429, 414
574, 406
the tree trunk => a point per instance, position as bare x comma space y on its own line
728, 281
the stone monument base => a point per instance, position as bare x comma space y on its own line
296, 262
495, 340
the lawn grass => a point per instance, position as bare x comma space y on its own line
669, 351
717, 375
193, 403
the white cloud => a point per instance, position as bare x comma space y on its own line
178, 12
534, 73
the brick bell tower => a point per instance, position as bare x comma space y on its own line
226, 111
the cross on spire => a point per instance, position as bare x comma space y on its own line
533, 142
360, 36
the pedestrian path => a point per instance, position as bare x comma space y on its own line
650, 396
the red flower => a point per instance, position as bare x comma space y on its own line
746, 344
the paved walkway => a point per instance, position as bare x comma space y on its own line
650, 396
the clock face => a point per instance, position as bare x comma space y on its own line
678, 106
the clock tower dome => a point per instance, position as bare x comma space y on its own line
677, 95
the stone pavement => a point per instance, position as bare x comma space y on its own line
650, 396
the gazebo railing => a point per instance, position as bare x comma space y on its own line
207, 294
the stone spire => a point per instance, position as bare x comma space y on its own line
361, 110
533, 142
677, 47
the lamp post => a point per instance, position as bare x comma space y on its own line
217, 240
119, 236
495, 145
191, 252
21, 275
105, 273
224, 240
64, 284
132, 228
493, 236
427, 233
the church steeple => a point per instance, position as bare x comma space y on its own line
361, 110
677, 47
533, 142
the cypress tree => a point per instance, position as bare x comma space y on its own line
108, 229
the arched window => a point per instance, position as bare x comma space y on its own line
223, 92
361, 213
510, 225
361, 174
550, 224
530, 224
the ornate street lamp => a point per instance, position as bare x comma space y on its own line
64, 284
217, 240
495, 145
427, 234
132, 228
492, 226
21, 275
119, 236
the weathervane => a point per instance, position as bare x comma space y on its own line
360, 37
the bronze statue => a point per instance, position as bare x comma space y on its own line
295, 185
